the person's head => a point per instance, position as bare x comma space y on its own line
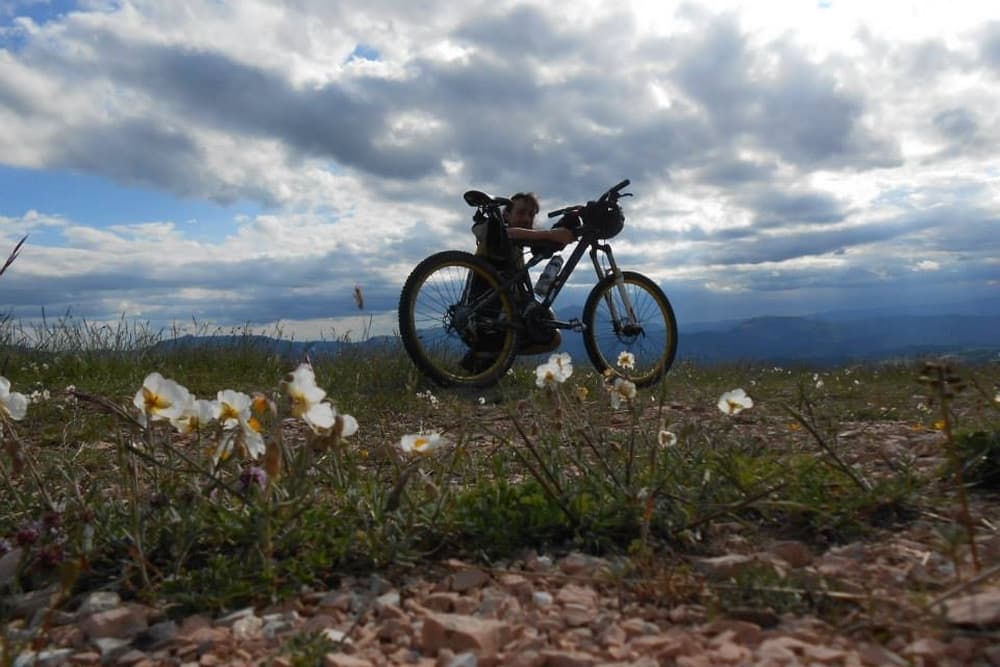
521, 210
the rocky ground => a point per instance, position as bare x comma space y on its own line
896, 598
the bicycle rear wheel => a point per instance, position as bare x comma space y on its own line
456, 324
610, 329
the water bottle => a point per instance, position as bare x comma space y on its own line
544, 282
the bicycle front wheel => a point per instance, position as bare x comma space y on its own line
455, 322
636, 317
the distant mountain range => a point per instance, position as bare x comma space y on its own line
812, 340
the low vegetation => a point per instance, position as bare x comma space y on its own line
295, 473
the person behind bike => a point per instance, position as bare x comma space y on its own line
502, 247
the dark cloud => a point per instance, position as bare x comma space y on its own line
726, 172
956, 124
791, 106
775, 208
990, 45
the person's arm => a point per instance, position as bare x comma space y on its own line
559, 235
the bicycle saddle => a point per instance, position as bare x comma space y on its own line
479, 198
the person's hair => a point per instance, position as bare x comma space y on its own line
531, 197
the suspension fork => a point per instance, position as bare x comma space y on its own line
619, 281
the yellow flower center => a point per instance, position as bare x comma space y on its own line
153, 401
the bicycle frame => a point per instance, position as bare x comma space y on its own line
621, 321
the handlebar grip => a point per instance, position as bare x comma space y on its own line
621, 185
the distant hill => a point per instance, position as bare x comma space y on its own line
827, 341
810, 340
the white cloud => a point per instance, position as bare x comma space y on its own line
790, 143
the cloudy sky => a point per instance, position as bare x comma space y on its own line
250, 161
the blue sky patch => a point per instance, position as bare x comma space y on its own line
97, 202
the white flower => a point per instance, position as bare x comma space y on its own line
196, 415
235, 416
301, 387
12, 403
350, 425
554, 371
564, 363
421, 443
733, 402
622, 390
626, 360
160, 398
429, 397
666, 439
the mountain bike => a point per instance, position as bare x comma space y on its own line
455, 301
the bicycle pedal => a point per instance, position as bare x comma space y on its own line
577, 325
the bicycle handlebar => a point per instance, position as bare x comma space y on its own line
612, 192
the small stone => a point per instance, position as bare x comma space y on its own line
824, 654
110, 647
516, 583
99, 601
156, 636
723, 567
130, 657
635, 627
335, 635
466, 659
466, 580
873, 654
341, 601
344, 660
525, 658
85, 658
926, 648
574, 563
248, 627
981, 609
568, 659
729, 652
228, 620
119, 623
793, 552
463, 633
442, 601
542, 598
388, 598
318, 623
538, 563
576, 615
574, 594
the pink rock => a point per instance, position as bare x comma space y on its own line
525, 659
729, 652
465, 580
443, 601
463, 633
576, 615
925, 648
574, 594
344, 660
568, 659
824, 654
613, 636
792, 552
724, 566
979, 609
873, 654
574, 563
120, 623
